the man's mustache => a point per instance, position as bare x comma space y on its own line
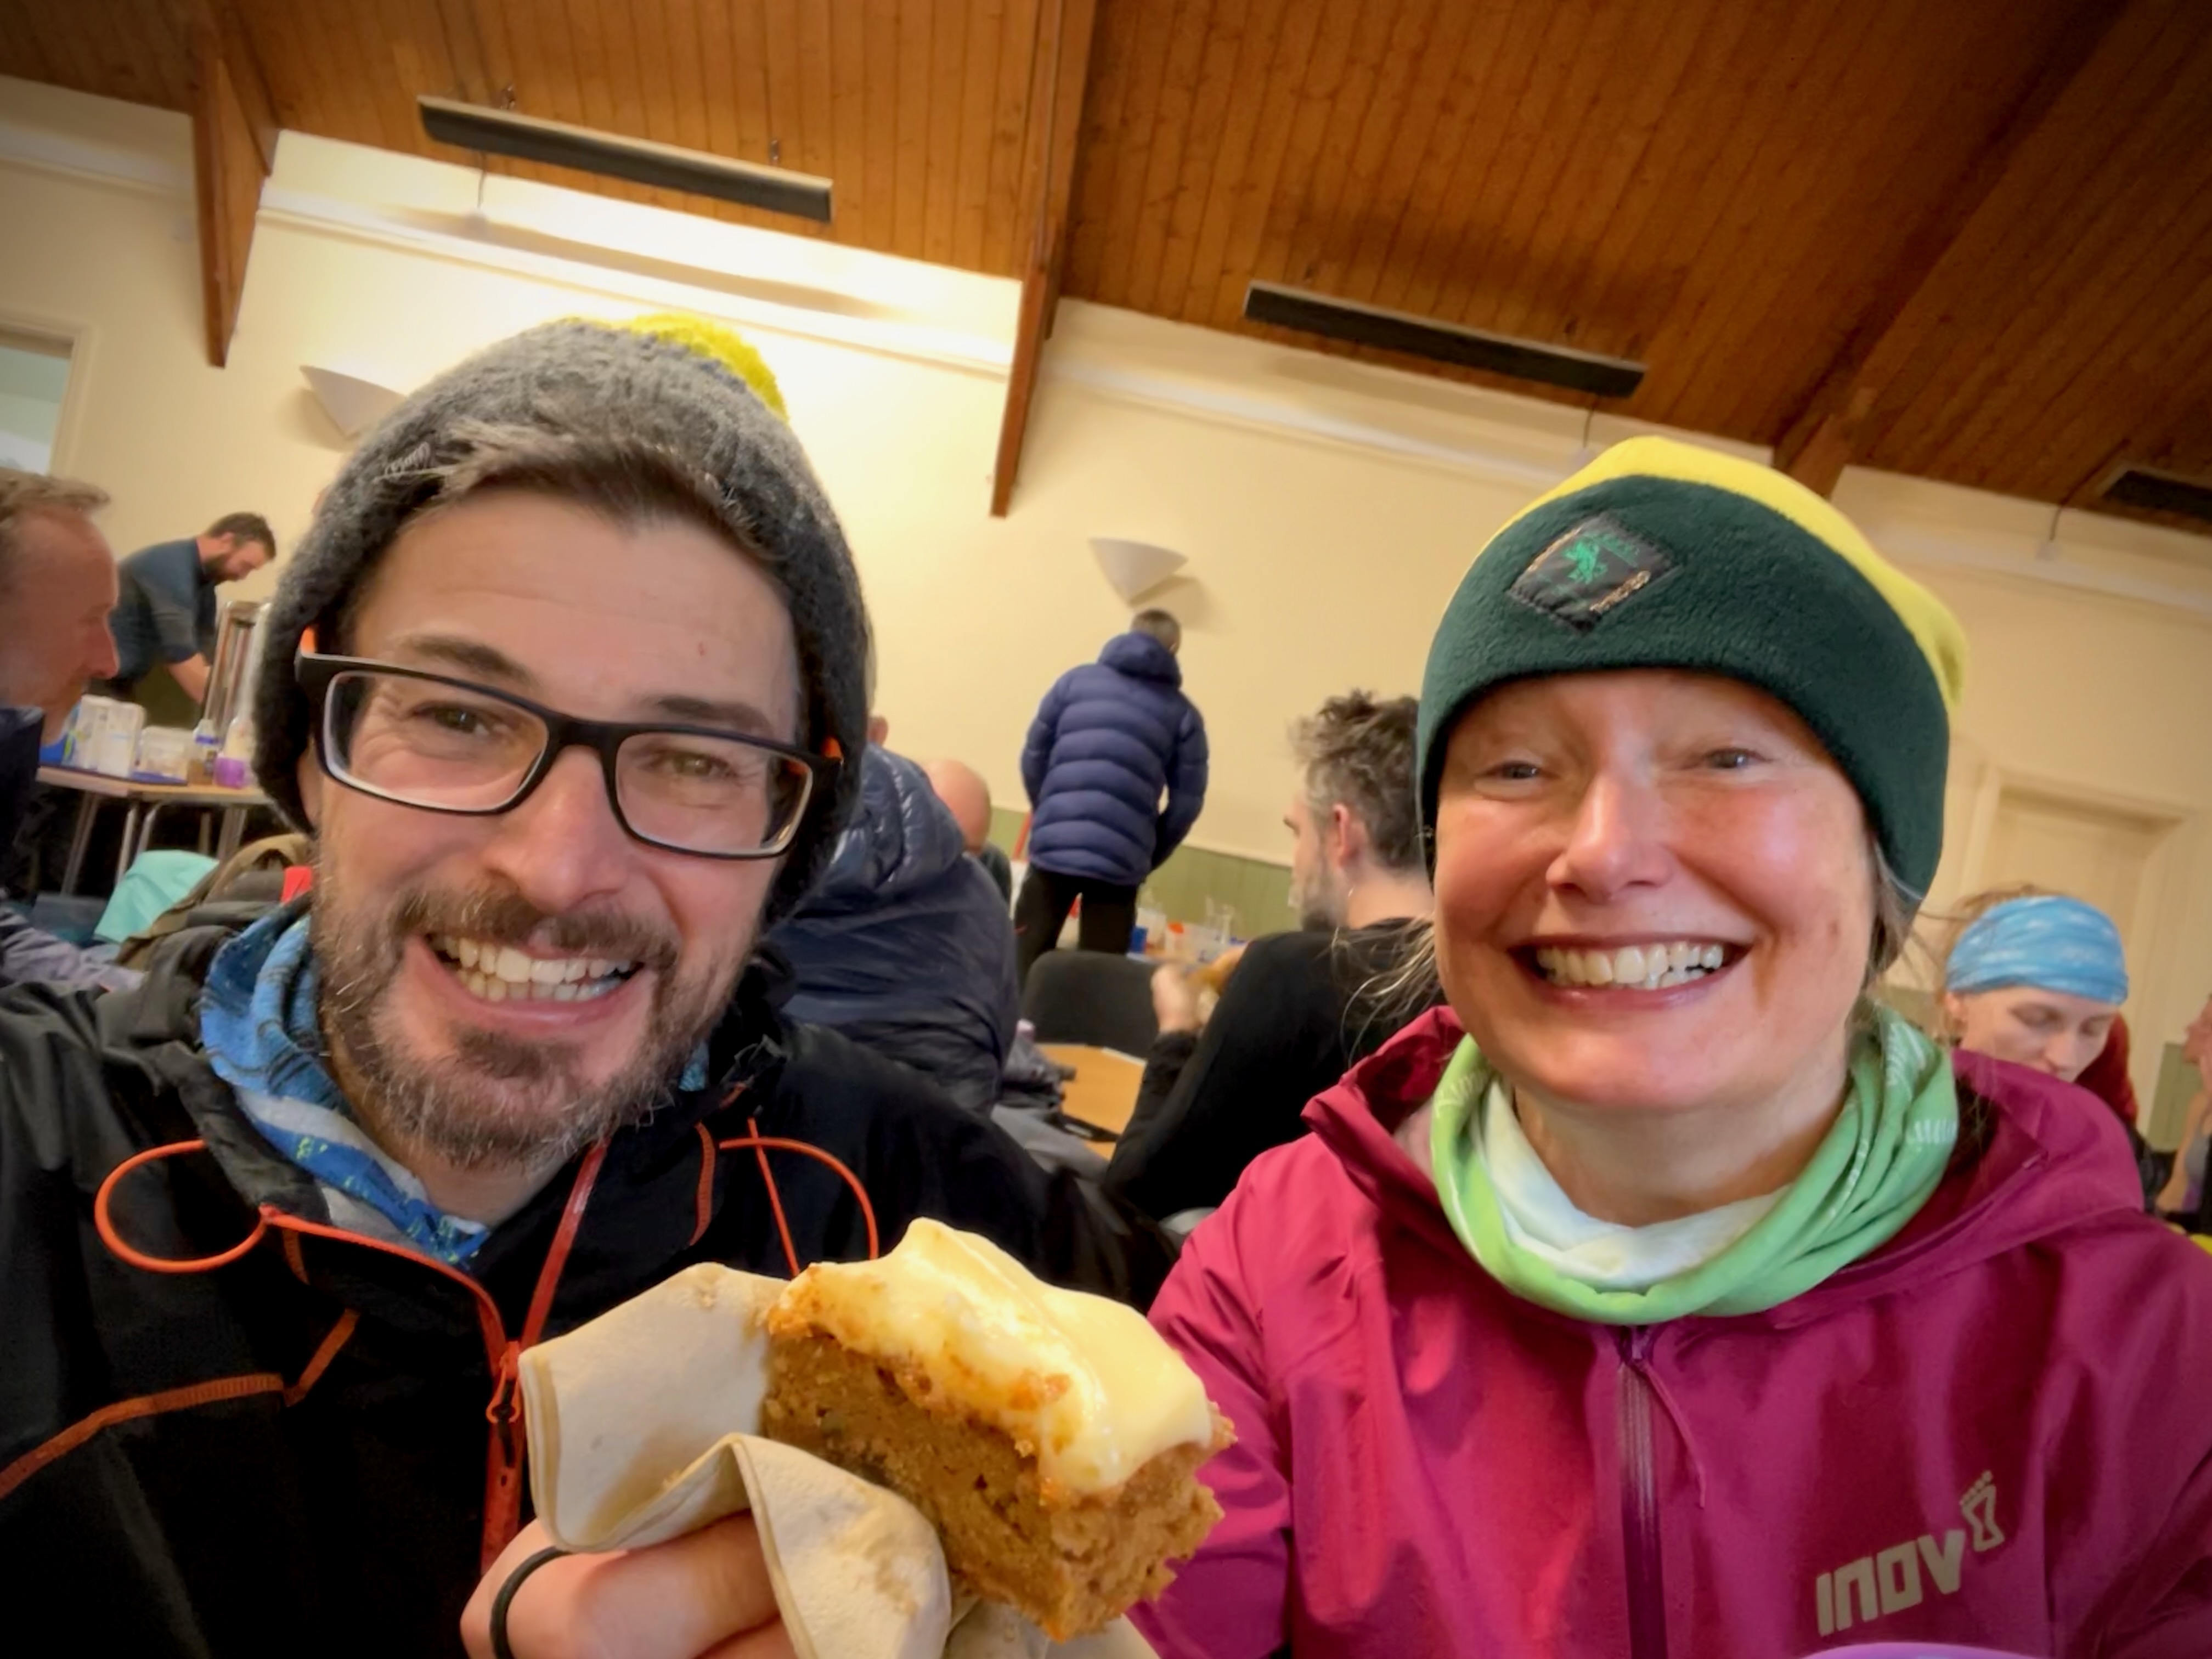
505, 917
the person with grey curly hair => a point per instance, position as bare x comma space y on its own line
1356, 853
1296, 1011
564, 687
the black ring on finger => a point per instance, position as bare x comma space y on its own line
505, 1599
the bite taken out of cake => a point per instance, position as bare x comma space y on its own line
1051, 1436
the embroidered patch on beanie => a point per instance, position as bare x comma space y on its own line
1596, 565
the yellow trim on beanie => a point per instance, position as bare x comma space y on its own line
1932, 627
718, 342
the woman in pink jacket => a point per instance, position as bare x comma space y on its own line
1663, 1294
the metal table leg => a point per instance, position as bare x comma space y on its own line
87, 807
233, 831
131, 821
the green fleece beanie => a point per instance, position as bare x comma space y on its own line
1664, 555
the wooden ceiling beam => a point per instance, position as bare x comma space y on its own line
1820, 440
1060, 72
248, 80
234, 146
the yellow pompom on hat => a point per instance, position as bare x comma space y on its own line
718, 342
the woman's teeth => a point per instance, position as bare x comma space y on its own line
1632, 967
500, 973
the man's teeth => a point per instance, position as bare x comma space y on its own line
500, 973
1632, 967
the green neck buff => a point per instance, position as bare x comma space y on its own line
1876, 1167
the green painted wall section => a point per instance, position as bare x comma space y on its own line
2178, 1083
1257, 893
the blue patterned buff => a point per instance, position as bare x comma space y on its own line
258, 1021
2053, 943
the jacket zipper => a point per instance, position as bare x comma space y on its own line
503, 1448
1639, 1500
505, 1445
503, 1451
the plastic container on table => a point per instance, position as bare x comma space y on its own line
165, 755
103, 737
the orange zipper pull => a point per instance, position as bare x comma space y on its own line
502, 1458
505, 1379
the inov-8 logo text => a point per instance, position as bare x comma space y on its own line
1903, 1575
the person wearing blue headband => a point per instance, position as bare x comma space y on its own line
2037, 980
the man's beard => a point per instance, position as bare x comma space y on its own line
1319, 910
496, 1102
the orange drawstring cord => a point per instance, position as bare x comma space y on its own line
761, 1145
104, 1223
502, 1494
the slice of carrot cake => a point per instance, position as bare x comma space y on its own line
1050, 1436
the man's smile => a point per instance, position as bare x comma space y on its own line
501, 972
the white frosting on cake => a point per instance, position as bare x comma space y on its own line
1083, 1381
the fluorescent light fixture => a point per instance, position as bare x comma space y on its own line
352, 404
2152, 491
1134, 567
640, 160
1443, 343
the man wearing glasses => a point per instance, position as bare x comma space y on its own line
566, 682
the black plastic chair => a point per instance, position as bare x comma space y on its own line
1087, 996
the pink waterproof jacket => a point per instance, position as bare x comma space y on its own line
1995, 1430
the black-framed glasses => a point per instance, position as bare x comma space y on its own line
450, 746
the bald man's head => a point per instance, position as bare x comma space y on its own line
57, 585
962, 788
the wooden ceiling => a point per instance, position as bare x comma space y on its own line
1971, 240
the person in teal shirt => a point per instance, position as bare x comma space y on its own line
165, 612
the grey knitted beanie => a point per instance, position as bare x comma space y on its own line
599, 378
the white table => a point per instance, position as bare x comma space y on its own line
145, 802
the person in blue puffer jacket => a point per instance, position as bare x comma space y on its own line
903, 944
1109, 740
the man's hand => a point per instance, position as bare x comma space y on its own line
704, 1595
1215, 973
1175, 1000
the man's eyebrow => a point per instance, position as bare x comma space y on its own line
729, 716
469, 656
473, 657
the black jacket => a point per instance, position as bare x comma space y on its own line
290, 1452
1292, 1021
20, 730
